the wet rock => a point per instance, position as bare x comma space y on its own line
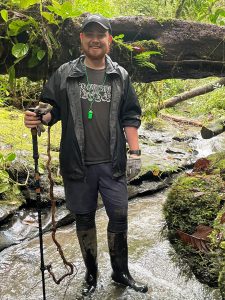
24, 224
6, 241
6, 211
149, 187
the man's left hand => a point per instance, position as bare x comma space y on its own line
133, 166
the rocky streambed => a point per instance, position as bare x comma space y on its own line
166, 153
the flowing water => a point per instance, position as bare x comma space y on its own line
149, 262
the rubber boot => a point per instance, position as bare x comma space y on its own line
119, 260
88, 245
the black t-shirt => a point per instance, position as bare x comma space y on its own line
95, 94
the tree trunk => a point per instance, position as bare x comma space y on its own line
192, 93
188, 49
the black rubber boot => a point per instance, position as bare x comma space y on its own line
88, 245
119, 260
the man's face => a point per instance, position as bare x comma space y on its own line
95, 41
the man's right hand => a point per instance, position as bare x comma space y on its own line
31, 120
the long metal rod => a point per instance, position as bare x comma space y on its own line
38, 199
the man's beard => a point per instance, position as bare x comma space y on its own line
96, 56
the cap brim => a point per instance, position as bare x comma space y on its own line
103, 26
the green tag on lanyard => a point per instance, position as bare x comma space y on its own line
90, 114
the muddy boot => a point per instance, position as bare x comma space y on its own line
119, 260
88, 246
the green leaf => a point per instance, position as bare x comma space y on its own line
20, 50
56, 4
218, 13
16, 190
37, 56
64, 10
4, 15
222, 245
18, 26
26, 3
41, 54
49, 17
10, 157
4, 176
119, 37
4, 187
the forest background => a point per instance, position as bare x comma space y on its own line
22, 93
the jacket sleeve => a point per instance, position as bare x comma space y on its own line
50, 94
130, 110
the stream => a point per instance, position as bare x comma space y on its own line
149, 261
149, 253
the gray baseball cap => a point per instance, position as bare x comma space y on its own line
96, 19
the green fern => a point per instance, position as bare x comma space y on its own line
143, 59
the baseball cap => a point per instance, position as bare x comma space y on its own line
97, 19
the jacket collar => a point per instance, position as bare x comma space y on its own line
78, 70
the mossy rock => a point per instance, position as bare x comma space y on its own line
198, 198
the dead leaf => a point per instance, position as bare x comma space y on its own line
199, 239
201, 164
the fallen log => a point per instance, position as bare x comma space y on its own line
180, 120
188, 49
192, 93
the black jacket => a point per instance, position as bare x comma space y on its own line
63, 92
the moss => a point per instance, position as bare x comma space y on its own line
163, 21
149, 45
217, 161
11, 199
194, 199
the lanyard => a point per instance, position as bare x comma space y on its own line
90, 97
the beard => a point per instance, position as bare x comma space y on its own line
95, 54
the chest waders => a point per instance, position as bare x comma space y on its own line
41, 110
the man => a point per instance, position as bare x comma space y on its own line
96, 103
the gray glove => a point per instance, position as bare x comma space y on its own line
40, 110
133, 167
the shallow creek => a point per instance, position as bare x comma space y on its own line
149, 261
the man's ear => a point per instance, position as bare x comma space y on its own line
110, 38
81, 35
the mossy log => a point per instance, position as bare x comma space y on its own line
214, 128
188, 49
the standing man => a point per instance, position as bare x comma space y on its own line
99, 110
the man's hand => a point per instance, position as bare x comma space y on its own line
31, 120
133, 166
37, 116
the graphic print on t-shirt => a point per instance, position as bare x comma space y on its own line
95, 92
95, 95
